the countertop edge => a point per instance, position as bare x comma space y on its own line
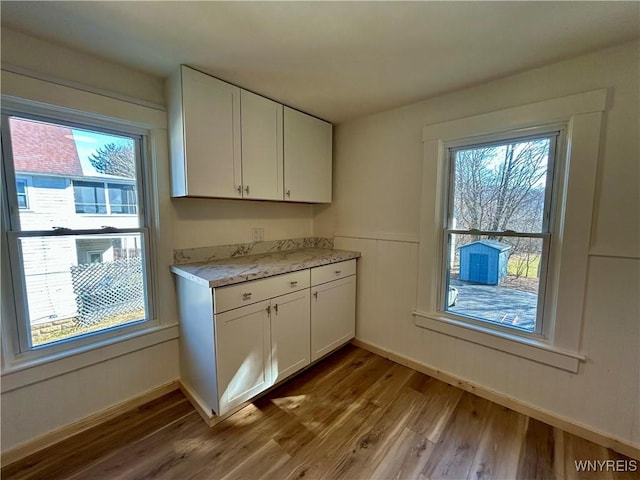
294, 267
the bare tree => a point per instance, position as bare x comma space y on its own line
115, 159
500, 188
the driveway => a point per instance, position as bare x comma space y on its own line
496, 304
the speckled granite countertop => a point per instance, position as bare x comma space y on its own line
228, 271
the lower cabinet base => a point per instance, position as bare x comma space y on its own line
212, 419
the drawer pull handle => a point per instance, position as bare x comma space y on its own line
246, 296
294, 284
338, 272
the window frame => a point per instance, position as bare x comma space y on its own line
556, 135
20, 339
575, 187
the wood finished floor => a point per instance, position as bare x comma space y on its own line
353, 416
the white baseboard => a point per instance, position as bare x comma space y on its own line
545, 416
51, 438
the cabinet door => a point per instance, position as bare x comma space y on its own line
211, 116
307, 158
243, 356
333, 315
261, 147
290, 333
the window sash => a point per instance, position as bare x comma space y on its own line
552, 135
443, 291
13, 232
545, 234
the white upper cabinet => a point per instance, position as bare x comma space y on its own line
262, 176
227, 142
307, 158
204, 120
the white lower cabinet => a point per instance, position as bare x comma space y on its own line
290, 333
243, 353
333, 310
240, 340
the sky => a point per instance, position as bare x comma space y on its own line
87, 143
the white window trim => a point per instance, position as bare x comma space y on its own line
560, 344
31, 95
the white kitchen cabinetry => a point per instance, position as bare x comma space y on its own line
333, 307
307, 157
237, 341
204, 122
226, 142
262, 160
290, 333
243, 358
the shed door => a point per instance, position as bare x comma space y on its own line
478, 267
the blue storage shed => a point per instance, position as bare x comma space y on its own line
484, 261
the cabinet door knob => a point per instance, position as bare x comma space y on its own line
315, 294
268, 309
294, 284
246, 189
239, 189
288, 193
246, 296
275, 307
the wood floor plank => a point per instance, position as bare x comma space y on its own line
100, 441
456, 449
406, 459
499, 449
441, 400
537, 457
353, 416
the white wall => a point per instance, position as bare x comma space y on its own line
377, 175
38, 408
201, 222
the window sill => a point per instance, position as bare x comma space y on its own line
529, 348
23, 372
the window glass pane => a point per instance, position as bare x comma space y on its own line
500, 187
21, 189
81, 284
494, 279
69, 169
89, 197
122, 199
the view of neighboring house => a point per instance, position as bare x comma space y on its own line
58, 187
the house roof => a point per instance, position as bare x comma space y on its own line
502, 247
44, 148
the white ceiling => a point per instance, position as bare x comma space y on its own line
337, 60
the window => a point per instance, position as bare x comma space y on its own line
74, 275
94, 257
21, 191
122, 199
497, 233
543, 244
91, 197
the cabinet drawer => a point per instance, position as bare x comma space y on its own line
333, 271
246, 293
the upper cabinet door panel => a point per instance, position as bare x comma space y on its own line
261, 147
307, 157
211, 116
